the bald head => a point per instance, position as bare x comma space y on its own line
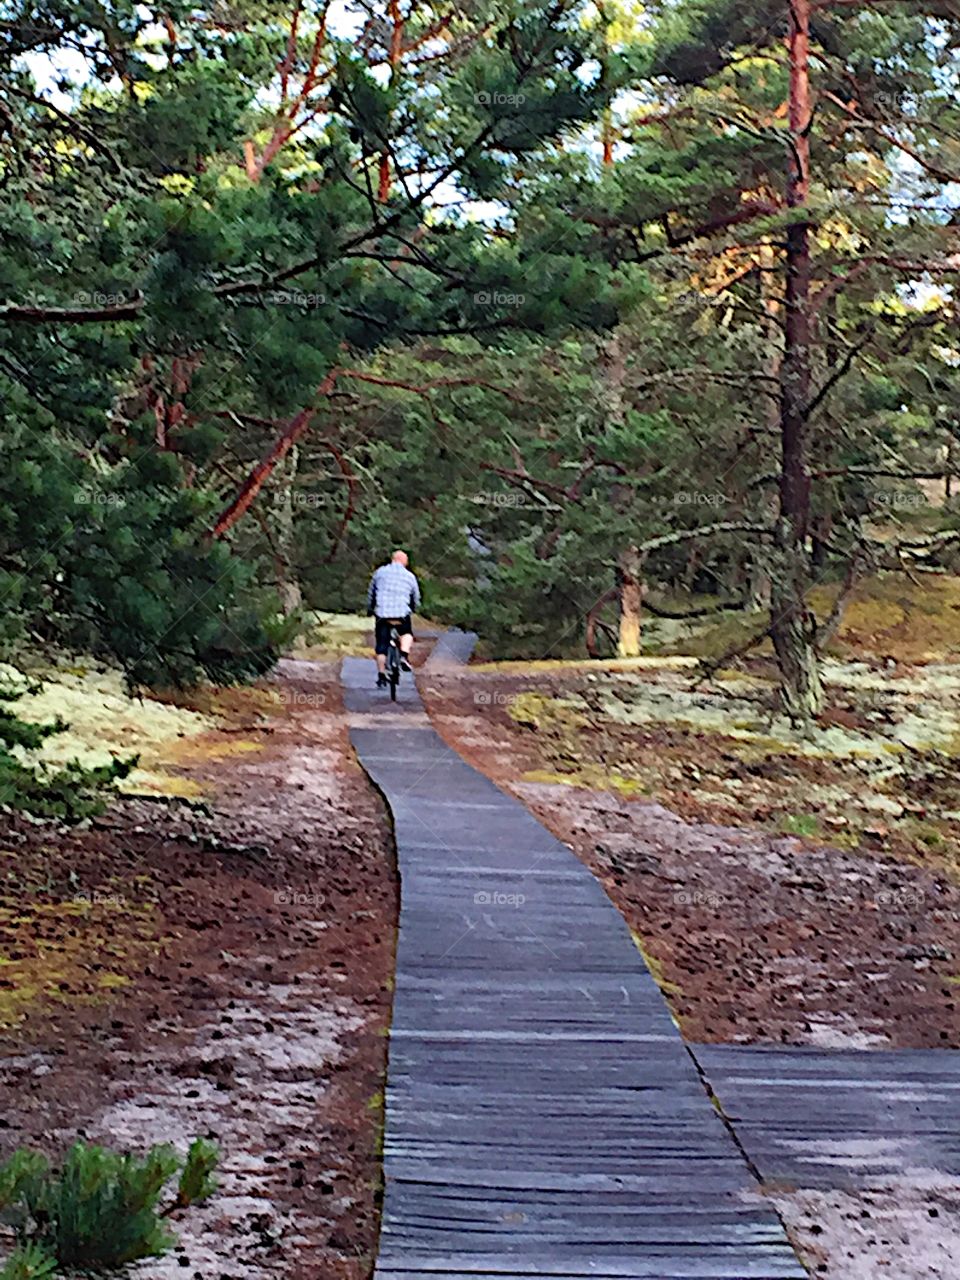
400, 557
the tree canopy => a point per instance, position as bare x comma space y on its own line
585, 302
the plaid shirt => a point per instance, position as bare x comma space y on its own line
394, 592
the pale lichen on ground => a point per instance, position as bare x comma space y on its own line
105, 720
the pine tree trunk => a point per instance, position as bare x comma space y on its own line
607, 135
630, 587
395, 58
794, 637
793, 628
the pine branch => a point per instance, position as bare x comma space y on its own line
704, 531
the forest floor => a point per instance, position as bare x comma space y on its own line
219, 965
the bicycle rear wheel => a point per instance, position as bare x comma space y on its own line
393, 668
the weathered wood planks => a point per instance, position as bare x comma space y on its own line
543, 1116
840, 1118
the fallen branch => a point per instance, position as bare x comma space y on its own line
708, 669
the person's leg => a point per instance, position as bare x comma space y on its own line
381, 640
406, 641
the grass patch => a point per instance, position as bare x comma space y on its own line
74, 951
800, 824
591, 778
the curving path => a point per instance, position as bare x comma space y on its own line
543, 1115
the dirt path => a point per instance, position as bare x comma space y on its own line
226, 974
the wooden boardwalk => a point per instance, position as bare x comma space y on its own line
840, 1118
543, 1115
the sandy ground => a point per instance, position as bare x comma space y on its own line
222, 971
900, 1232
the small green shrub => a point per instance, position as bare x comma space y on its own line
102, 1210
20, 1177
29, 1262
72, 792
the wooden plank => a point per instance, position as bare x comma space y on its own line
840, 1118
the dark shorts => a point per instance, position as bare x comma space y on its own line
382, 631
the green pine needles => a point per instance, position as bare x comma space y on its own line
101, 1210
70, 793
29, 1262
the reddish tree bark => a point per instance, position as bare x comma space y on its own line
294, 112
395, 56
255, 481
793, 626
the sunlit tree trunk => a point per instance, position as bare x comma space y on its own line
630, 587
396, 54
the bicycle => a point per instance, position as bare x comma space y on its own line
393, 659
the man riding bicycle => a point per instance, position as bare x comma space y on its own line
393, 596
